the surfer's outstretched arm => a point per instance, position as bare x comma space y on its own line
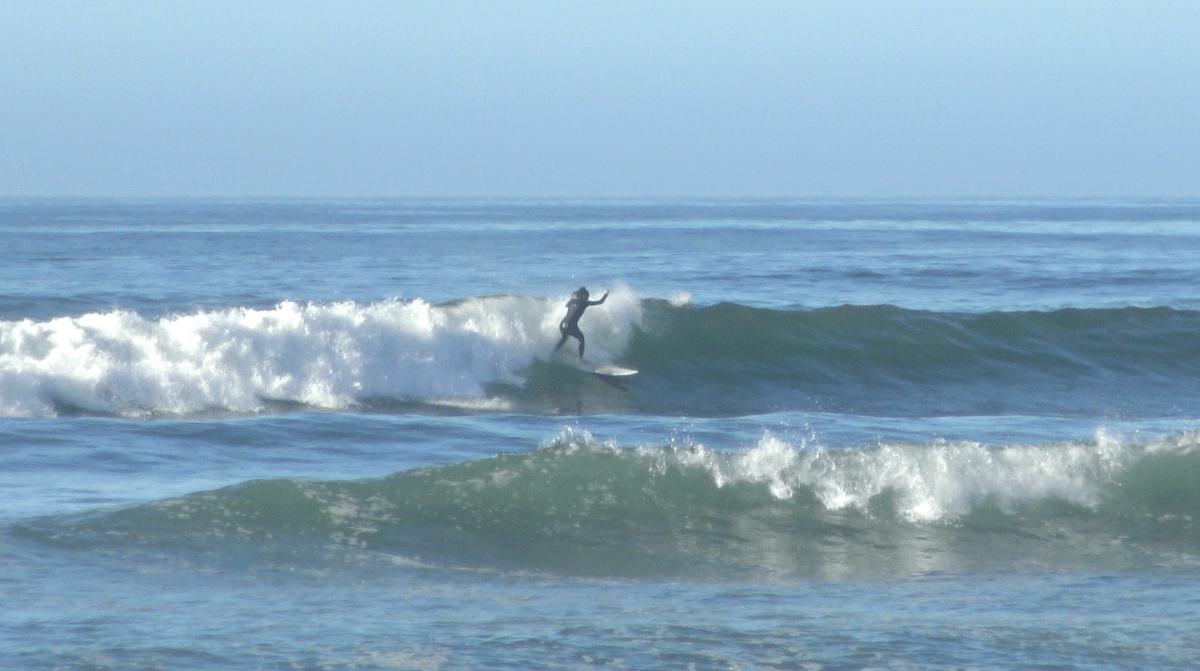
602, 299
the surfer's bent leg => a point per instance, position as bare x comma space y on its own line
565, 328
570, 331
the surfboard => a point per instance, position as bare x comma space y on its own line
607, 370
611, 371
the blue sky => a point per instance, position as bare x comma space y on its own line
600, 99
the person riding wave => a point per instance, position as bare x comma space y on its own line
570, 324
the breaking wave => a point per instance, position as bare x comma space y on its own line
582, 506
487, 355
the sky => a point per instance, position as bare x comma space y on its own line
563, 99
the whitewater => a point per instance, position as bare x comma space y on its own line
863, 434
328, 356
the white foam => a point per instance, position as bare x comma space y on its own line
324, 355
681, 299
930, 482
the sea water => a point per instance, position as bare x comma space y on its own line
864, 434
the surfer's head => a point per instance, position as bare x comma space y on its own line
582, 292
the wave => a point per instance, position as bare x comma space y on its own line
582, 506
487, 354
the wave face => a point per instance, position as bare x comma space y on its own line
581, 506
486, 355
883, 360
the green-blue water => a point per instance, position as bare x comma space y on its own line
864, 434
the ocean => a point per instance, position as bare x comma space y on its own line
864, 434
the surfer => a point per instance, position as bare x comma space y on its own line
570, 324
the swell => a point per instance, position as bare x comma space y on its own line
580, 506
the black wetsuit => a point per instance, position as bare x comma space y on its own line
570, 324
